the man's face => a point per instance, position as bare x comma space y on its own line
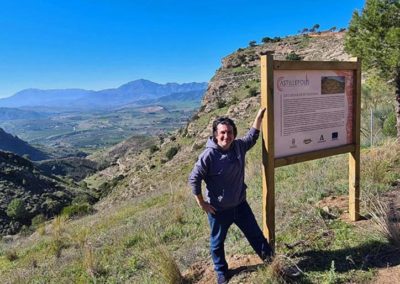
224, 136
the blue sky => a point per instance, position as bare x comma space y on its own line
97, 44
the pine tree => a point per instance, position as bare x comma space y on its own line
374, 36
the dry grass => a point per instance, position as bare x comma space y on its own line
179, 195
281, 269
41, 229
89, 262
11, 255
159, 258
80, 238
277, 269
378, 163
387, 220
58, 235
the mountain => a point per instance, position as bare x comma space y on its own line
150, 223
14, 114
81, 99
13, 144
181, 97
37, 97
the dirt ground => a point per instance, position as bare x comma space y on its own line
242, 266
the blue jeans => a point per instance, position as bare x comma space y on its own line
244, 218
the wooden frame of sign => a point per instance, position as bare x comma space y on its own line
350, 145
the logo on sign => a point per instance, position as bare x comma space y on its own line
293, 144
335, 135
283, 83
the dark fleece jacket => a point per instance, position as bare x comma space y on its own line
223, 172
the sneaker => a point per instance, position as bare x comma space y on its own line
222, 279
291, 272
268, 260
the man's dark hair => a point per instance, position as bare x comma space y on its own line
223, 120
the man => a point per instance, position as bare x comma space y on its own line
221, 166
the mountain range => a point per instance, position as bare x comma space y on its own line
128, 93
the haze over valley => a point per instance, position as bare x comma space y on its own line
73, 119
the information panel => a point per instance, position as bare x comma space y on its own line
313, 110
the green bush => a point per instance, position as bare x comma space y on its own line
26, 230
16, 209
171, 152
11, 255
267, 39
293, 56
153, 149
389, 126
38, 220
84, 198
252, 43
252, 92
221, 103
75, 210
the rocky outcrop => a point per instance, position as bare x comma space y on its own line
243, 66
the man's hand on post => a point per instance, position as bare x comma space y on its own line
258, 119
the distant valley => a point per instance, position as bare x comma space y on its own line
73, 120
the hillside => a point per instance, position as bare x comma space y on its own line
13, 144
41, 194
234, 91
149, 227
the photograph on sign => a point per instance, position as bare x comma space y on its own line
313, 110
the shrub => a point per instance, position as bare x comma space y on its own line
52, 206
153, 149
293, 56
172, 152
84, 198
26, 231
195, 116
221, 103
77, 210
234, 100
16, 209
389, 126
276, 39
11, 255
252, 92
252, 43
38, 220
267, 39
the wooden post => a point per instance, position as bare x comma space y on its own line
268, 152
354, 157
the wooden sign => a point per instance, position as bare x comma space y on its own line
313, 111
